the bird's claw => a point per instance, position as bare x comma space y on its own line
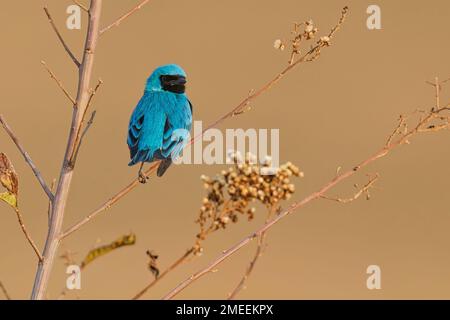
142, 178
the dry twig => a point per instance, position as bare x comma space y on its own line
124, 16
423, 123
66, 47
59, 83
5, 292
26, 157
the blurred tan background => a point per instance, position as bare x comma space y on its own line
333, 112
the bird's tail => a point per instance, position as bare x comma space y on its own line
165, 164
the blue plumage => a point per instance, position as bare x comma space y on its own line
160, 124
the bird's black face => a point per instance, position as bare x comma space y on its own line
173, 83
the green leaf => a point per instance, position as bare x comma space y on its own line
9, 198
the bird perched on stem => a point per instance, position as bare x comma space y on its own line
160, 124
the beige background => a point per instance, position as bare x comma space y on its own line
334, 112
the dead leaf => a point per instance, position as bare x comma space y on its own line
152, 265
8, 176
126, 240
9, 180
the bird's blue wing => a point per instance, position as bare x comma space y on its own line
177, 127
146, 129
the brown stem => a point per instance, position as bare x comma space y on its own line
27, 235
65, 179
5, 292
58, 82
106, 205
258, 253
124, 16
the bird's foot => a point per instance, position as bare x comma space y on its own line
142, 178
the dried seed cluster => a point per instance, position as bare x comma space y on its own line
232, 192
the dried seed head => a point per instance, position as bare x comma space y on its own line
279, 45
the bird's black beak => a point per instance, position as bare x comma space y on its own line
181, 81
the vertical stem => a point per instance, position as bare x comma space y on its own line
65, 178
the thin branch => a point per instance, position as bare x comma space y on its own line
404, 139
26, 157
258, 253
124, 16
58, 82
66, 47
108, 204
88, 125
82, 6
238, 109
5, 292
49, 208
80, 136
364, 190
177, 263
93, 93
27, 235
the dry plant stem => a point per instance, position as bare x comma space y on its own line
124, 16
27, 158
58, 82
27, 235
5, 292
79, 143
235, 111
80, 136
66, 47
307, 57
49, 209
108, 204
403, 139
241, 285
227, 253
65, 179
177, 263
258, 253
363, 190
80, 5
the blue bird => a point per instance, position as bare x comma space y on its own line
160, 124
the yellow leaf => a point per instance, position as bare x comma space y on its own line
9, 198
126, 240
